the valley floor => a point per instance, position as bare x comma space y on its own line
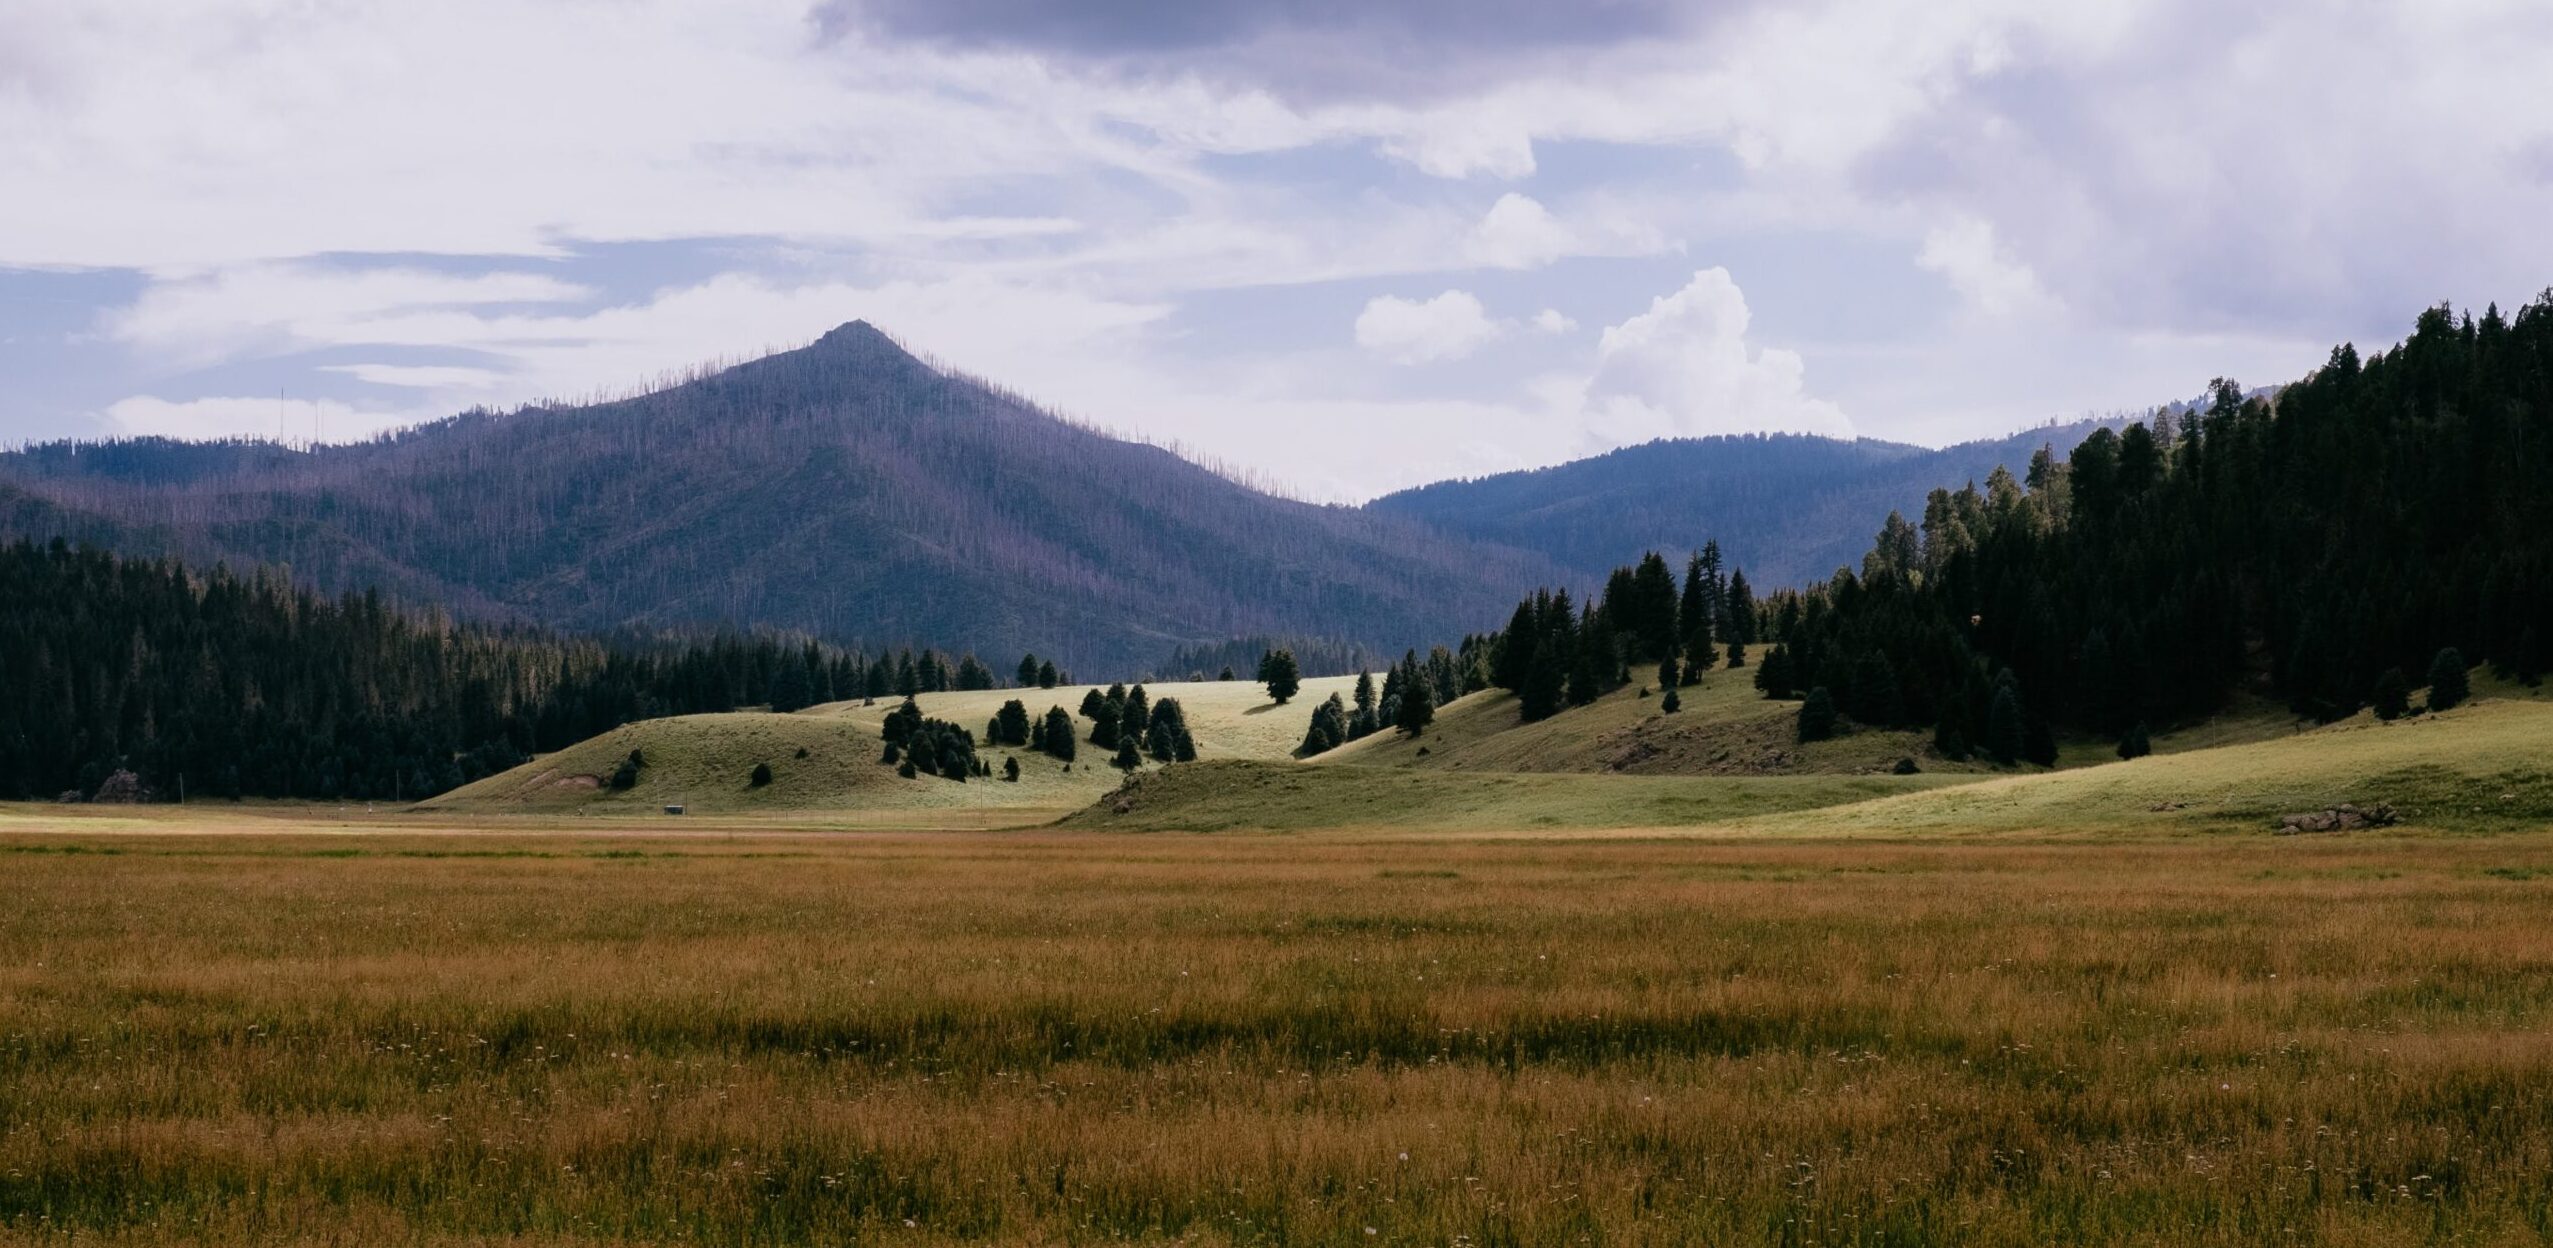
431, 1028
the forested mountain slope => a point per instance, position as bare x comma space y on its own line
846, 489
1789, 508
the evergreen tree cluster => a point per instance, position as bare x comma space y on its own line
223, 684
1123, 719
929, 747
1406, 700
1555, 655
2381, 516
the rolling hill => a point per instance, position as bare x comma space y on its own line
846, 489
1788, 508
704, 762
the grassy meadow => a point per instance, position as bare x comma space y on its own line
259, 1034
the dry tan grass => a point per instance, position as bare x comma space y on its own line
1050, 1038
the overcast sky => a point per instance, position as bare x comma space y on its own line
1354, 244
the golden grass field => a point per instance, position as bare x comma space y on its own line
1446, 1007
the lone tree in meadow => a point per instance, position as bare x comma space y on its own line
1047, 677
2137, 743
1011, 726
1817, 715
1027, 670
1059, 734
1278, 672
761, 775
1129, 757
1010, 769
2448, 684
2392, 696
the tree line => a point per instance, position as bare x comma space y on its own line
2382, 522
188, 683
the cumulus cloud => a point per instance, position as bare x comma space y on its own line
1684, 368
1410, 331
1519, 233
1553, 321
1966, 254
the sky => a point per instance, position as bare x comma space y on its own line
1346, 245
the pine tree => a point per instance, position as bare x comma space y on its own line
1328, 729
1010, 769
2004, 728
1027, 670
1046, 674
1515, 647
1418, 706
2449, 684
1775, 675
1128, 758
1670, 673
2392, 696
1166, 733
1279, 674
1650, 615
1060, 737
1738, 605
1673, 702
761, 775
2136, 744
1227, 673
1817, 715
1010, 727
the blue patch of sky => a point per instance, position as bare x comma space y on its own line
56, 365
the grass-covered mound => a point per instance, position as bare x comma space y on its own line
705, 763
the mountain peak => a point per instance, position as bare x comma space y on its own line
860, 335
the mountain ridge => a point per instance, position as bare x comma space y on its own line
853, 491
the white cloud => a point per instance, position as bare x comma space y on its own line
287, 306
420, 376
1553, 321
1684, 368
289, 420
1967, 255
1519, 233
1407, 331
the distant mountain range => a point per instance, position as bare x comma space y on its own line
1788, 508
851, 491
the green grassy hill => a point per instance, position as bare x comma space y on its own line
2486, 766
2482, 767
704, 762
1725, 728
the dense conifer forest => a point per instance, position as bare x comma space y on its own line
139, 678
2383, 522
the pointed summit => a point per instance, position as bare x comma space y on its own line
869, 350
